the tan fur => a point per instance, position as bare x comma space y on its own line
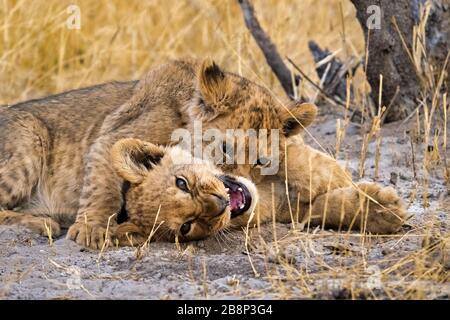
321, 193
154, 202
55, 158
333, 199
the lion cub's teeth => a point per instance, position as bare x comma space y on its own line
240, 189
242, 206
227, 189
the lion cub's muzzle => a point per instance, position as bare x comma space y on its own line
216, 205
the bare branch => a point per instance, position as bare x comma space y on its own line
335, 81
326, 95
269, 50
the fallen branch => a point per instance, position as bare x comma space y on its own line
335, 82
325, 94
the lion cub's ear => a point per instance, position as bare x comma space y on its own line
133, 158
300, 116
214, 86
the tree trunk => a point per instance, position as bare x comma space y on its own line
438, 32
387, 53
388, 57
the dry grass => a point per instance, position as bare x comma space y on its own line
121, 40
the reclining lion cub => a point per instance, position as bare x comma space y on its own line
166, 199
174, 200
55, 152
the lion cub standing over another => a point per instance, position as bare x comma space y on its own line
55, 152
55, 155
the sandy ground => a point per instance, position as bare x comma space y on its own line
278, 262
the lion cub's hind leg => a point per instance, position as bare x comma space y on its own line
23, 149
41, 225
368, 207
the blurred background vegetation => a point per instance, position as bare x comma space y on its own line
121, 40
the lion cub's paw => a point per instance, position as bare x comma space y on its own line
387, 213
44, 226
128, 234
89, 235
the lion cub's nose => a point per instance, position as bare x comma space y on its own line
217, 205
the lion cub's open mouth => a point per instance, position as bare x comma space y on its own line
240, 196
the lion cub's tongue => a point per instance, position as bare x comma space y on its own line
237, 200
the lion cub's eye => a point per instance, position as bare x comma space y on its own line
182, 184
185, 228
262, 162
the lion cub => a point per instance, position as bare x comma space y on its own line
166, 196
55, 152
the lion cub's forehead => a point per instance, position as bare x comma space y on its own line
258, 110
181, 158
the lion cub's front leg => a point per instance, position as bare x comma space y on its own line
310, 172
42, 225
328, 196
367, 206
100, 198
